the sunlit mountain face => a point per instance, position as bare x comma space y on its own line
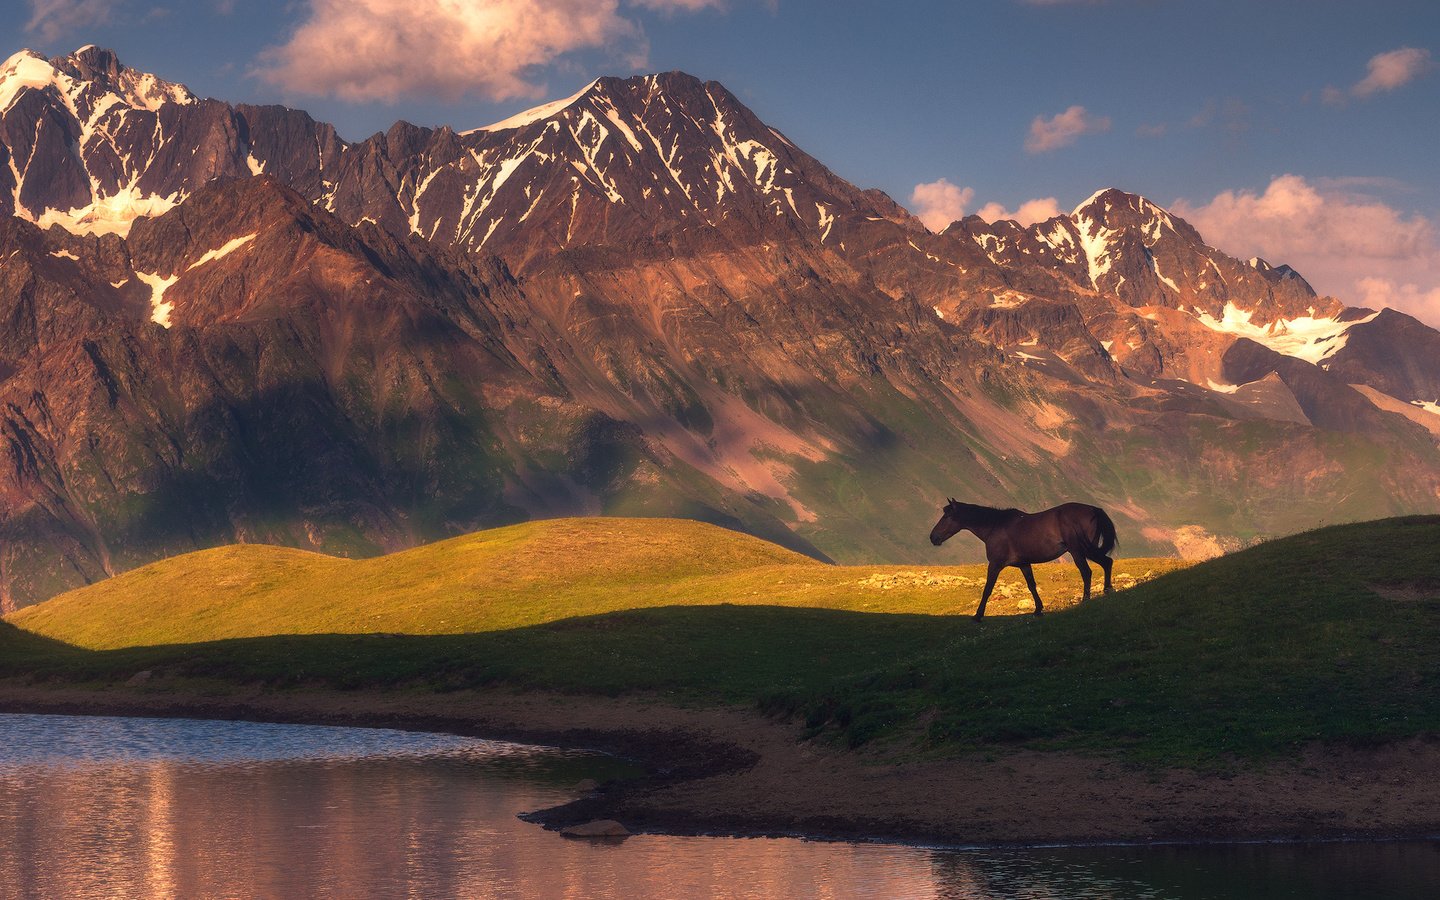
224, 323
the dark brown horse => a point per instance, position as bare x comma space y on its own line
1019, 539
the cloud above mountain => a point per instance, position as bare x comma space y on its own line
1385, 72
1344, 240
1028, 213
367, 50
938, 203
51, 19
1063, 129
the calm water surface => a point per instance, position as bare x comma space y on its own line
110, 807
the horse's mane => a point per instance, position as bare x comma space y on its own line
971, 513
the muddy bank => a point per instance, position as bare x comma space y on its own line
729, 771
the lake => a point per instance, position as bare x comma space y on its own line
128, 807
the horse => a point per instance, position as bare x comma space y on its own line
1016, 538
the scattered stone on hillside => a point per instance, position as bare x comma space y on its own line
140, 677
585, 785
887, 580
600, 828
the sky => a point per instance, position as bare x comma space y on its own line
1302, 131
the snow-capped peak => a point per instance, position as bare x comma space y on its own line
26, 69
537, 113
1077, 211
71, 76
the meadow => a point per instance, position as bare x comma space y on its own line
1331, 635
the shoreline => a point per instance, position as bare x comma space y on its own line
731, 772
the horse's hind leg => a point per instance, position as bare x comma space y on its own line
1030, 581
1084, 568
1105, 563
990, 577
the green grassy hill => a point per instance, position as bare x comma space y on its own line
1331, 635
506, 578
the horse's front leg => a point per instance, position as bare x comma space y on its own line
1030, 582
1084, 568
990, 576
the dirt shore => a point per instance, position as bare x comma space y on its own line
728, 771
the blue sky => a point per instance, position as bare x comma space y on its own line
1206, 103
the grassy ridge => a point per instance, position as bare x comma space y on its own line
1329, 635
503, 579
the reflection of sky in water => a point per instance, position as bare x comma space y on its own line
95, 807
57, 741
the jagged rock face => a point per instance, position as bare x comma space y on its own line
1394, 353
639, 300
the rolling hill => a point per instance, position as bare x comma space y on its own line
506, 578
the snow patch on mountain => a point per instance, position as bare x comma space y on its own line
222, 252
1095, 242
109, 215
1310, 338
535, 114
160, 308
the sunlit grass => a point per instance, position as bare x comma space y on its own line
509, 578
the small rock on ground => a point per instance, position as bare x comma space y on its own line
598, 828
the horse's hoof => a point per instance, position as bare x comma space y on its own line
978, 616
1039, 612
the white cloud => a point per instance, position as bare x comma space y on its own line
1063, 129
1345, 242
1409, 297
51, 20
1030, 212
938, 203
362, 50
1385, 72
1396, 68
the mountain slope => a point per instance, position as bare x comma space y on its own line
641, 300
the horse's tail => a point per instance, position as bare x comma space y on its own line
1106, 538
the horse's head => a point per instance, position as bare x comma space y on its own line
949, 524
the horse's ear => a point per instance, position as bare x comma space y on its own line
953, 500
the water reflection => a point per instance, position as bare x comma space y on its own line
171, 808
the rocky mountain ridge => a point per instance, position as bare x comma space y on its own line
639, 300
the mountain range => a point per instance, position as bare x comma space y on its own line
225, 323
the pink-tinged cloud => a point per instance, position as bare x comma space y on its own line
1345, 242
668, 6
1030, 212
363, 50
52, 19
1388, 71
1063, 129
938, 203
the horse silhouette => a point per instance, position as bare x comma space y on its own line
1019, 539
